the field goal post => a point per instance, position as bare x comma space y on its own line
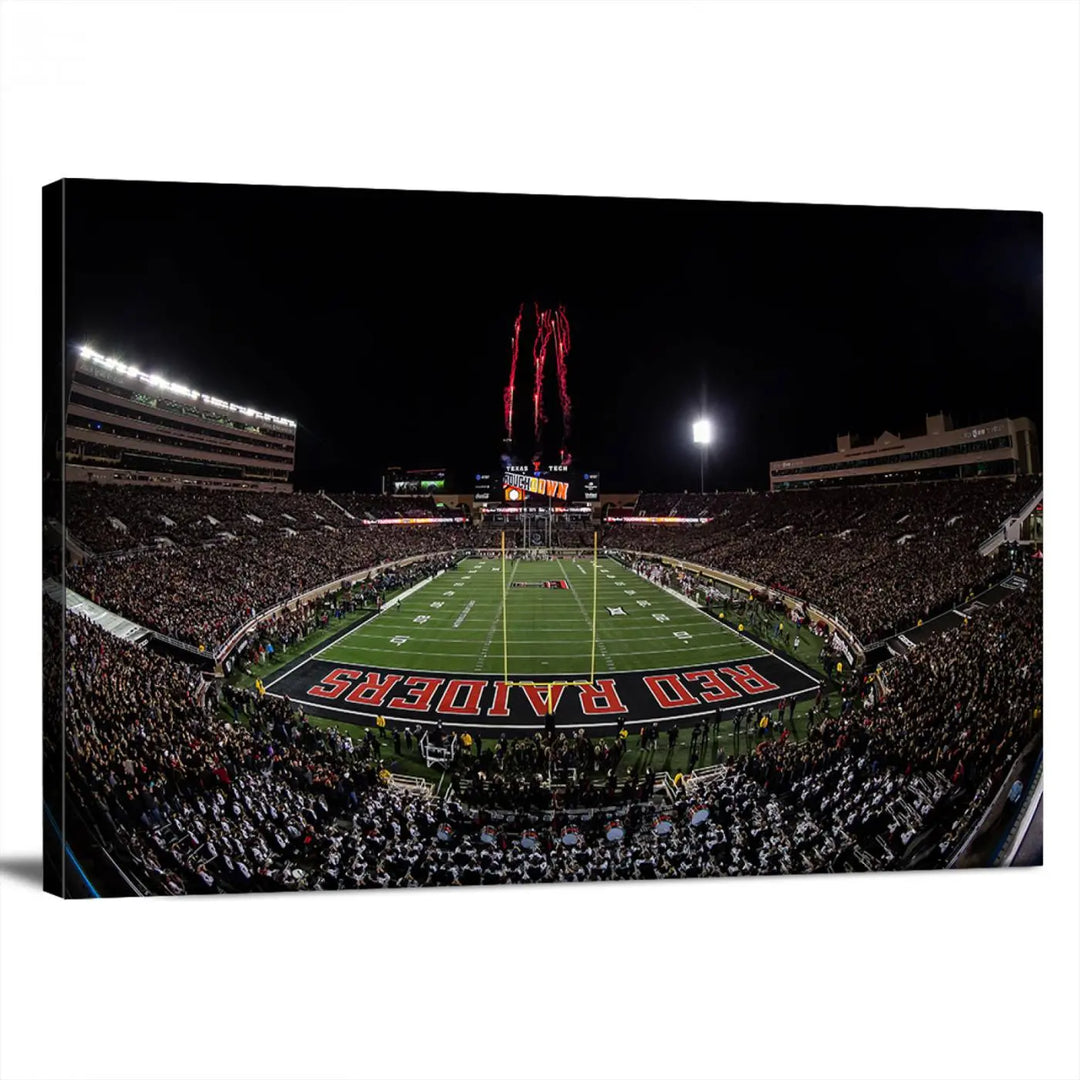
550, 684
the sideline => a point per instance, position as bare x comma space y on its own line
802, 670
301, 661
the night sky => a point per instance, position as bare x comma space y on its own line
381, 321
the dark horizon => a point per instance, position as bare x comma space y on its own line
381, 321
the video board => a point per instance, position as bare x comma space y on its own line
521, 485
415, 481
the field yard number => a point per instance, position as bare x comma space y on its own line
629, 592
449, 592
682, 635
421, 618
436, 603
661, 617
644, 603
399, 640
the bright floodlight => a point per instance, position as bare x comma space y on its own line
702, 432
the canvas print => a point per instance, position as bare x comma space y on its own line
404, 538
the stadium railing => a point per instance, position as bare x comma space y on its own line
414, 785
351, 517
664, 785
698, 777
1000, 535
441, 756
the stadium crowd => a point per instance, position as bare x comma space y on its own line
197, 563
290, 625
881, 558
202, 788
200, 594
549, 771
118, 517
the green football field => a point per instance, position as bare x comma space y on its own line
457, 622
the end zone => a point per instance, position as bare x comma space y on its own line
357, 694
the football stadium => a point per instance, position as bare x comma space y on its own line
513, 670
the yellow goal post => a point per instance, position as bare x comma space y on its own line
549, 686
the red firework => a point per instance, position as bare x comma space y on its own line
508, 393
540, 344
561, 331
550, 326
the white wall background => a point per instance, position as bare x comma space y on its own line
933, 104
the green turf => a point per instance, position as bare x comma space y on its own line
551, 625
456, 623
762, 622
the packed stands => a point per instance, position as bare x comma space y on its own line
881, 558
120, 517
688, 504
200, 791
200, 594
196, 563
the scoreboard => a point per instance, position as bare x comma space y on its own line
559, 483
528, 485
532, 484
522, 483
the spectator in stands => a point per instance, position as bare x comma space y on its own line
198, 794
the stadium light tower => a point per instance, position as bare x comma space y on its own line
703, 436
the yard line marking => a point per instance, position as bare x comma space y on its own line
519, 658
482, 659
444, 633
464, 613
717, 658
593, 631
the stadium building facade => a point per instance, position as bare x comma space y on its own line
125, 426
993, 448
